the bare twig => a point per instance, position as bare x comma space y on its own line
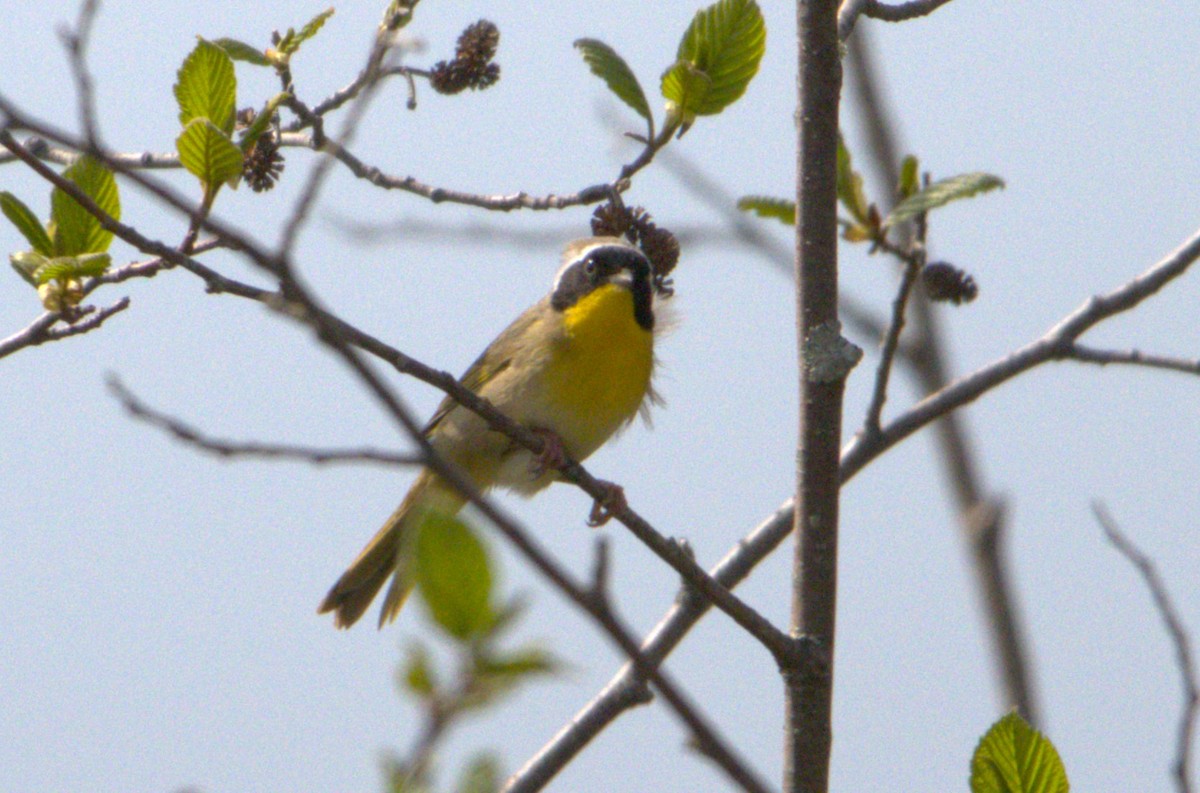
901, 12
319, 172
65, 156
891, 342
1079, 352
228, 449
1181, 767
45, 327
980, 518
76, 42
851, 10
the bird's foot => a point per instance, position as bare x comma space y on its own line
612, 502
552, 456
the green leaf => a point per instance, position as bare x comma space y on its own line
454, 576
685, 87
724, 43
941, 193
26, 263
768, 207
909, 181
64, 267
206, 87
418, 675
610, 67
514, 665
481, 776
292, 41
75, 229
208, 153
850, 185
1012, 757
26, 222
241, 51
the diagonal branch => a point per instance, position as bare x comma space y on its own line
1181, 767
1084, 354
76, 42
911, 268
45, 328
1055, 345
228, 449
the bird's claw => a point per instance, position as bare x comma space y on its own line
604, 508
552, 456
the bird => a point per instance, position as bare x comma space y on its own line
576, 368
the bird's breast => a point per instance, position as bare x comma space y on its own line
598, 373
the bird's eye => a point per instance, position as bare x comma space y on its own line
589, 267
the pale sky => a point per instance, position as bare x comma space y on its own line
159, 628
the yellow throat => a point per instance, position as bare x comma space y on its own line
601, 370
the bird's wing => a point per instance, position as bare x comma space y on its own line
495, 359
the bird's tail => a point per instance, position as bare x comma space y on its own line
388, 554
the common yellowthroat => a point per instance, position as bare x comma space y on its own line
574, 367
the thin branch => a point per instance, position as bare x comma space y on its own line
61, 155
1181, 767
145, 269
851, 10
320, 171
228, 449
1055, 345
485, 234
45, 328
92, 319
370, 74
1079, 352
848, 16
76, 42
499, 202
980, 517
891, 341
901, 12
